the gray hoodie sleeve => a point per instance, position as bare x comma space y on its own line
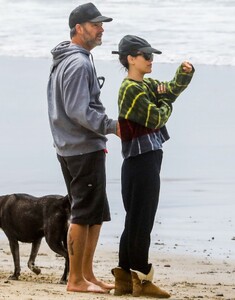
82, 98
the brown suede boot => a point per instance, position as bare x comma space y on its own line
123, 282
143, 286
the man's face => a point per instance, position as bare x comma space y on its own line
92, 34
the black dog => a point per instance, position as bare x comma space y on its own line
28, 219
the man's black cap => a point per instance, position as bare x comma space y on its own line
86, 13
131, 44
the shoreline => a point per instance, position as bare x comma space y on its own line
114, 59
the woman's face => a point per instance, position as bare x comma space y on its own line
142, 63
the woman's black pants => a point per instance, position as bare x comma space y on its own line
140, 180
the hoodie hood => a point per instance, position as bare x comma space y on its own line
64, 50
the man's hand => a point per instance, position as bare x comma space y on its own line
118, 132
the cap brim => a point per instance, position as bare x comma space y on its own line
150, 50
144, 49
100, 19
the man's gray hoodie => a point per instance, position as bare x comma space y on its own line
77, 117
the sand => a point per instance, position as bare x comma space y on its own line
193, 242
184, 276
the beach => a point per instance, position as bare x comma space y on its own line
193, 240
184, 276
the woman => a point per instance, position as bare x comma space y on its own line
145, 106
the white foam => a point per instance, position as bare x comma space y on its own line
200, 31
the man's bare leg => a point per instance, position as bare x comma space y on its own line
93, 236
77, 240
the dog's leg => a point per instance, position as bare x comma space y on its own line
63, 279
60, 247
34, 251
14, 245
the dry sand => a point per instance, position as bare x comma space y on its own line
185, 277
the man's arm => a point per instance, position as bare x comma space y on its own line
79, 107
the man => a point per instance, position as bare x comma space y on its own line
79, 125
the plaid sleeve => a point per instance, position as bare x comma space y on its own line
179, 83
135, 105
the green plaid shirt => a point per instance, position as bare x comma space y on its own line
143, 112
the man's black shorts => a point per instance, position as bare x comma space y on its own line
85, 178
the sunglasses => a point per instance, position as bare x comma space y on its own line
146, 56
101, 81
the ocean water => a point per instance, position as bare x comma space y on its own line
202, 31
